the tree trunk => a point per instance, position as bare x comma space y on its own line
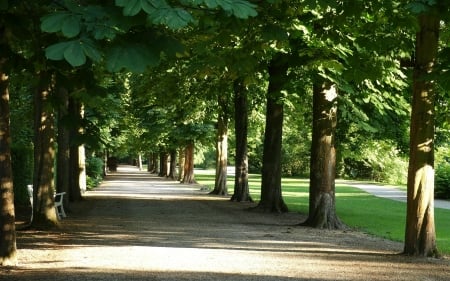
181, 160
322, 206
241, 188
149, 162
75, 111
163, 157
420, 234
82, 168
173, 164
63, 153
220, 185
189, 164
139, 161
8, 249
271, 197
44, 215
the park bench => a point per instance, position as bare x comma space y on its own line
59, 203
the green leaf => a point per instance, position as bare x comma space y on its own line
130, 7
174, 18
56, 51
91, 51
133, 57
74, 54
71, 26
243, 9
54, 22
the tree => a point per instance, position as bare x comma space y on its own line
241, 187
220, 186
44, 214
322, 209
420, 234
7, 216
271, 197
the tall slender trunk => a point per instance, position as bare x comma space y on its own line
163, 157
140, 161
44, 215
322, 201
149, 162
8, 248
75, 110
181, 160
155, 163
173, 164
189, 164
63, 153
271, 197
420, 234
220, 185
241, 188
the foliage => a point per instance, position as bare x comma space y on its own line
442, 181
375, 160
94, 171
442, 172
127, 34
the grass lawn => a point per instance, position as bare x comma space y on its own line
356, 208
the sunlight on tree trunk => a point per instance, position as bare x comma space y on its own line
189, 164
181, 160
322, 206
8, 249
220, 186
420, 234
44, 215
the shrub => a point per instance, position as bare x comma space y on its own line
94, 171
379, 161
442, 181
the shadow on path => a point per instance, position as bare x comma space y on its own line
141, 227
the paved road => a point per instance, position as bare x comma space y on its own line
388, 191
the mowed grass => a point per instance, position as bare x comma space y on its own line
356, 208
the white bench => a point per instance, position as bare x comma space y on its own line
59, 203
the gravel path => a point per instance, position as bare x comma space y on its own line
140, 227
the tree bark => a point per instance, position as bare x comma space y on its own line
181, 160
189, 164
322, 201
163, 157
75, 111
420, 234
173, 164
271, 196
241, 188
220, 185
8, 248
63, 152
44, 215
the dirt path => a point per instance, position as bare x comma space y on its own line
139, 227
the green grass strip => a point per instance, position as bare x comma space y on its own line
356, 208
